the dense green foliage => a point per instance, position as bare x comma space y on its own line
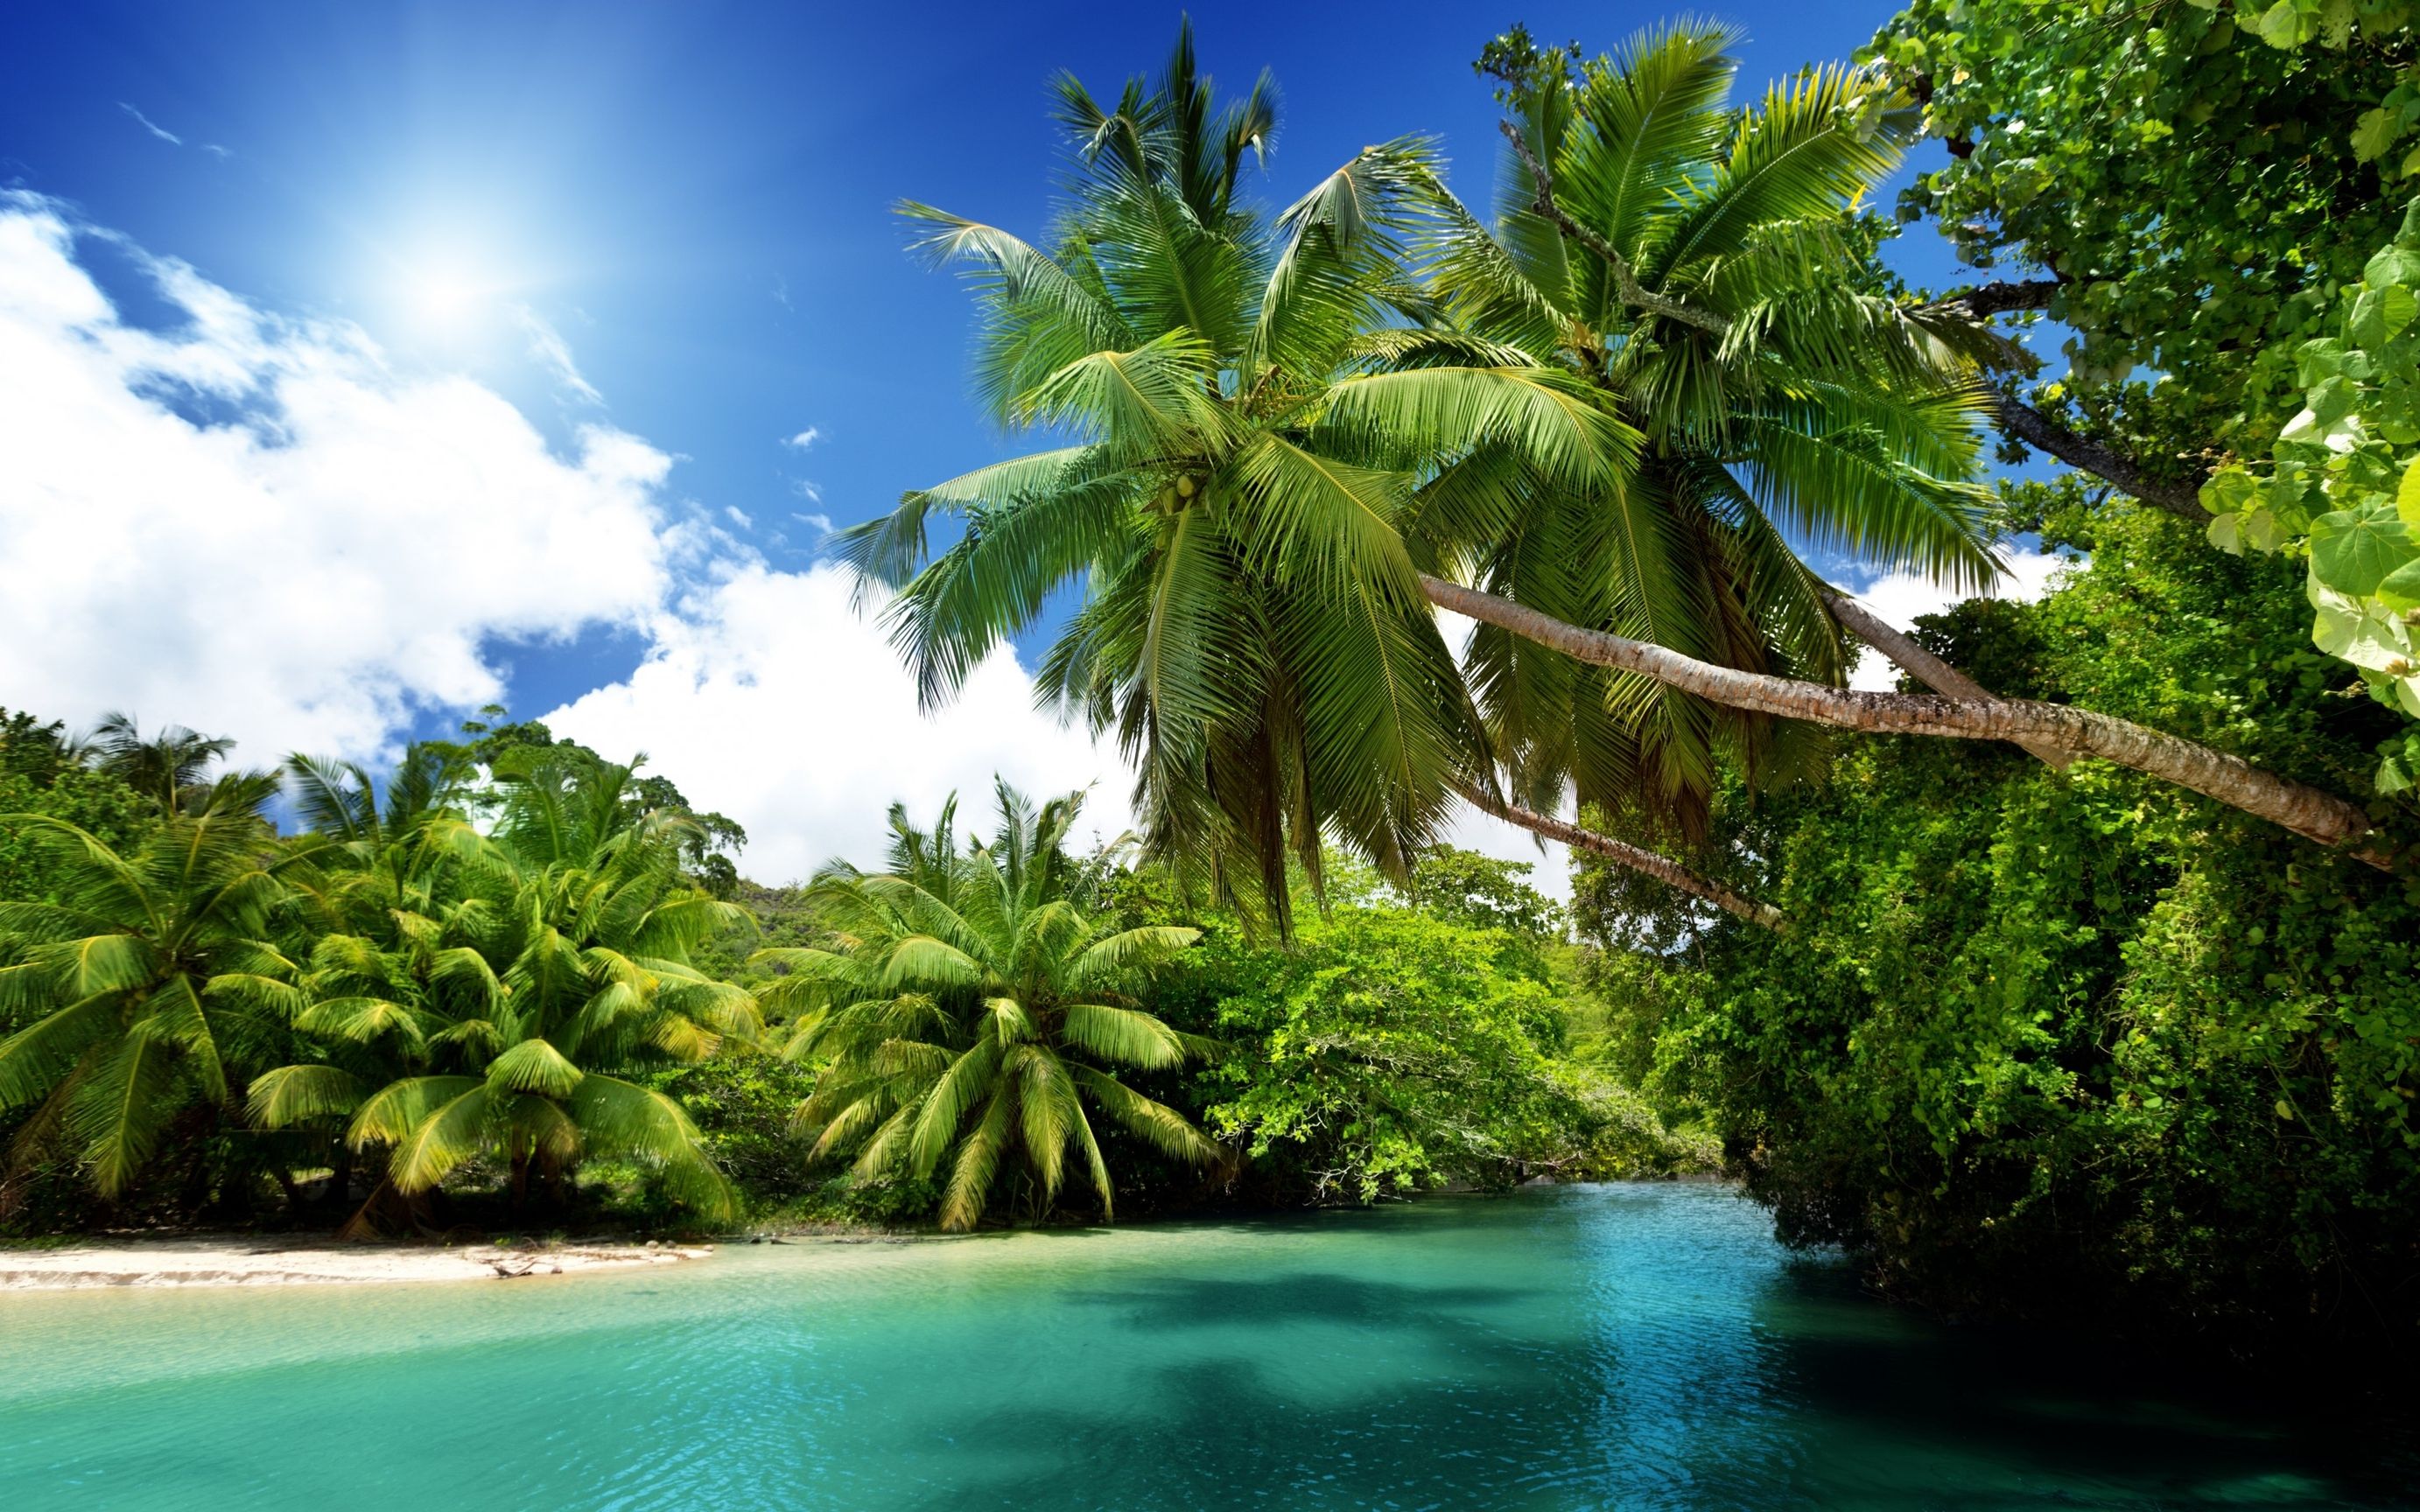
494, 983
2199, 192
969, 1011
2343, 489
394, 981
2023, 1033
2070, 1042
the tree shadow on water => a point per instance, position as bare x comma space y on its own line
2045, 1417
1180, 1303
1226, 1432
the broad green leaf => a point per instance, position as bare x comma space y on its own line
2379, 315
2370, 639
2395, 264
2406, 497
2230, 489
2393, 776
2400, 589
2373, 134
2281, 26
2352, 553
2226, 532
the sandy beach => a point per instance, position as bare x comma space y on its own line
250, 1261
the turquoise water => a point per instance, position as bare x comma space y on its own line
1635, 1347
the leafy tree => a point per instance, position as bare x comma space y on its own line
2195, 178
2071, 1044
2343, 490
1392, 1053
1478, 892
41, 772
708, 839
149, 984
556, 963
968, 1014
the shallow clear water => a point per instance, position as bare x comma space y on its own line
1635, 1347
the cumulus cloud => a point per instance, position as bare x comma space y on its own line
261, 527
1899, 598
804, 439
770, 697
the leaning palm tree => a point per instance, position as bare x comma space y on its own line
1284, 439
1698, 265
969, 1020
553, 966
153, 984
1252, 624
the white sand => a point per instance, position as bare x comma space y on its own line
257, 1261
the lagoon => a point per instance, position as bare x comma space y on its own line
1623, 1346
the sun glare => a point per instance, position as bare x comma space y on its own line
447, 300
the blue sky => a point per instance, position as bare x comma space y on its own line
667, 224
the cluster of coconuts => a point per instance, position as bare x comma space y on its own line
1176, 494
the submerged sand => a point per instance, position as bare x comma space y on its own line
252, 1261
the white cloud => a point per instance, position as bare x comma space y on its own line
154, 128
262, 528
1899, 598
217, 151
821, 523
547, 348
769, 697
805, 439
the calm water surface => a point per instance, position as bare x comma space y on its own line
1633, 1347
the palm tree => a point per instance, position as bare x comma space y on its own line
968, 1014
1698, 265
153, 984
1252, 622
1283, 442
553, 962
172, 767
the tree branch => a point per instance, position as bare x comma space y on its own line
2038, 430
1634, 293
1928, 669
1645, 862
2317, 816
1985, 300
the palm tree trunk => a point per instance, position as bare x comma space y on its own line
2320, 817
1645, 862
1928, 669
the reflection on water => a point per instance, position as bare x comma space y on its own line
1633, 1347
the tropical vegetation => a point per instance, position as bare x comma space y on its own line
2073, 974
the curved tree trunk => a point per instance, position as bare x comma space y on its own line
1928, 669
2315, 815
1645, 862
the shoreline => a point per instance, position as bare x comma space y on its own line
250, 1261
